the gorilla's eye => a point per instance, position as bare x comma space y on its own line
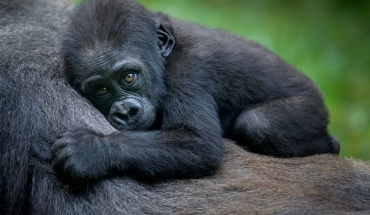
102, 91
129, 78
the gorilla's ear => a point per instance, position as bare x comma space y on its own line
166, 42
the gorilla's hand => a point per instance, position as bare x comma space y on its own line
79, 157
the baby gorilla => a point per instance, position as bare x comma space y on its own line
174, 89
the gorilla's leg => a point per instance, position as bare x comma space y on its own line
285, 127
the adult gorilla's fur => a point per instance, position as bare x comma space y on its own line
36, 105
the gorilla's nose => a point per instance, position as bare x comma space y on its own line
126, 111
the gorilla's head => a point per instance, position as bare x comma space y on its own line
117, 61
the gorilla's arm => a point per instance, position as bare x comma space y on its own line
186, 147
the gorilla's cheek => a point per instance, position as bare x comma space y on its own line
132, 114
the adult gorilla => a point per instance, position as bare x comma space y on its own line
180, 87
36, 105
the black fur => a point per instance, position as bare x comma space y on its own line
193, 86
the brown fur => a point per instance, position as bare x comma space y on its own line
254, 184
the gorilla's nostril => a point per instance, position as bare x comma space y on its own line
133, 111
121, 116
125, 114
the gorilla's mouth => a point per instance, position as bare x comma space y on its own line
126, 119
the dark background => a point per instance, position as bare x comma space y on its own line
327, 40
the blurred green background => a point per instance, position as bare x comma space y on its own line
327, 40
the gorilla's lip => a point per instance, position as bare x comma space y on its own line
134, 123
119, 121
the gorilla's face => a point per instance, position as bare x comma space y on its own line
120, 93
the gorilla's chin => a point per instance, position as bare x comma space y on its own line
139, 123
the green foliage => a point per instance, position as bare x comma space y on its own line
327, 40
78, 1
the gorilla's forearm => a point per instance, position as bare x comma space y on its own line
83, 156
